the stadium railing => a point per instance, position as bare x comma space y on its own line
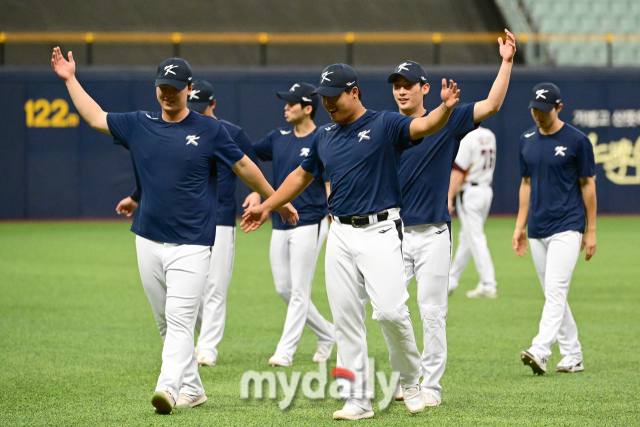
263, 40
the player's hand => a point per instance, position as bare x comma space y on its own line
254, 217
252, 200
519, 242
450, 94
451, 207
589, 241
63, 68
288, 213
508, 48
127, 206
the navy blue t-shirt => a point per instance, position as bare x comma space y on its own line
425, 171
173, 164
287, 151
555, 163
227, 179
361, 161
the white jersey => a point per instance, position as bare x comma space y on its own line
477, 157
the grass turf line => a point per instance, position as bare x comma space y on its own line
79, 345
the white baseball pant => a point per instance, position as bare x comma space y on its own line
427, 255
365, 263
473, 208
294, 254
212, 312
555, 258
173, 277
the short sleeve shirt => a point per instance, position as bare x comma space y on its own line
426, 169
361, 161
555, 163
287, 152
175, 168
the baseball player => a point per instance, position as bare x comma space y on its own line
471, 179
213, 309
558, 204
359, 152
294, 250
424, 179
174, 155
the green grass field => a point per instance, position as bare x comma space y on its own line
79, 344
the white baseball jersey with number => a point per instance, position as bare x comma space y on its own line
477, 156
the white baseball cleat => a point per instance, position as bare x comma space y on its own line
430, 399
480, 292
397, 394
163, 401
538, 364
570, 364
206, 361
280, 360
414, 398
323, 353
186, 401
352, 412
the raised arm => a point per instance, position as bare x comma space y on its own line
86, 106
588, 188
519, 240
291, 188
491, 105
457, 176
250, 174
437, 118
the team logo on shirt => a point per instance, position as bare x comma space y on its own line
527, 135
560, 150
363, 135
293, 88
191, 139
194, 94
304, 152
152, 118
168, 69
540, 93
285, 132
330, 127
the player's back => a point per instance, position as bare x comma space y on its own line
480, 146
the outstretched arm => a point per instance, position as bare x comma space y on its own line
250, 174
437, 118
491, 105
291, 188
86, 106
588, 188
519, 240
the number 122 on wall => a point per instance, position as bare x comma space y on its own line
43, 113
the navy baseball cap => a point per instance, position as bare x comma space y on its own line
336, 79
201, 96
545, 97
302, 93
411, 71
175, 72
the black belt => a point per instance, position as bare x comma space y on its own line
475, 184
362, 220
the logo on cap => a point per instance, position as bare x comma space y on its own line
540, 93
403, 66
294, 87
168, 69
324, 76
306, 99
349, 84
194, 94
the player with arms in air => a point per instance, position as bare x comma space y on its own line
424, 179
359, 153
558, 209
174, 155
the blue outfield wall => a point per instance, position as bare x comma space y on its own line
52, 165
